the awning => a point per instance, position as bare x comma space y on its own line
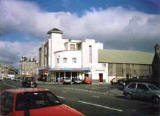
70, 69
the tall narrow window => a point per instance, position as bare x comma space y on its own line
90, 54
57, 60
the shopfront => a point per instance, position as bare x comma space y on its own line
73, 73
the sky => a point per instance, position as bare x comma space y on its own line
118, 24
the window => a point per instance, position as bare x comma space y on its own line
111, 69
119, 69
152, 87
104, 65
90, 54
142, 87
72, 47
132, 86
57, 60
74, 60
33, 100
64, 60
7, 102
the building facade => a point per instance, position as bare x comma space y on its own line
70, 58
28, 66
126, 64
78, 59
6, 70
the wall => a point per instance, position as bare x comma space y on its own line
69, 55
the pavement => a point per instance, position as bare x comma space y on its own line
56, 83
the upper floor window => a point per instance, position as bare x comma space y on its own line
104, 65
64, 60
74, 60
72, 47
57, 60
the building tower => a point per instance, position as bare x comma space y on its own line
54, 44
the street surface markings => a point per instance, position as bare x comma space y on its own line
106, 107
60, 97
88, 91
96, 96
8, 84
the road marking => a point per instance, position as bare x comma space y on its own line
83, 90
60, 97
106, 107
96, 96
8, 84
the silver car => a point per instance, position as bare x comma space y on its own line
67, 80
142, 90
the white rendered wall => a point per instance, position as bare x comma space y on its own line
50, 53
69, 55
96, 68
55, 44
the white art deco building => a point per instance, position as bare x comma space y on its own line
70, 58
77, 59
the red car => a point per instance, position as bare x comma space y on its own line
33, 102
87, 80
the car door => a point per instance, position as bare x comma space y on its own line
142, 91
6, 103
131, 89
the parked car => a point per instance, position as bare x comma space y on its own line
87, 80
29, 82
67, 80
1, 78
77, 81
117, 80
33, 102
142, 90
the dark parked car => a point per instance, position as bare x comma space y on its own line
143, 90
29, 82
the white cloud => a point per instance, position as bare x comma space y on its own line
115, 27
11, 52
25, 17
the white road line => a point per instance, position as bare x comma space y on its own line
106, 107
60, 97
8, 84
96, 96
88, 91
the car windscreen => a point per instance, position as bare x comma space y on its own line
33, 100
152, 87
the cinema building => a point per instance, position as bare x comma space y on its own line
60, 58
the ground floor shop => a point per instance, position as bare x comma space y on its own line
59, 75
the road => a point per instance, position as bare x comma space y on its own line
95, 100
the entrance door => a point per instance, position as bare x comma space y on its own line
100, 77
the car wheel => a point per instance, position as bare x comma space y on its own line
156, 101
128, 96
